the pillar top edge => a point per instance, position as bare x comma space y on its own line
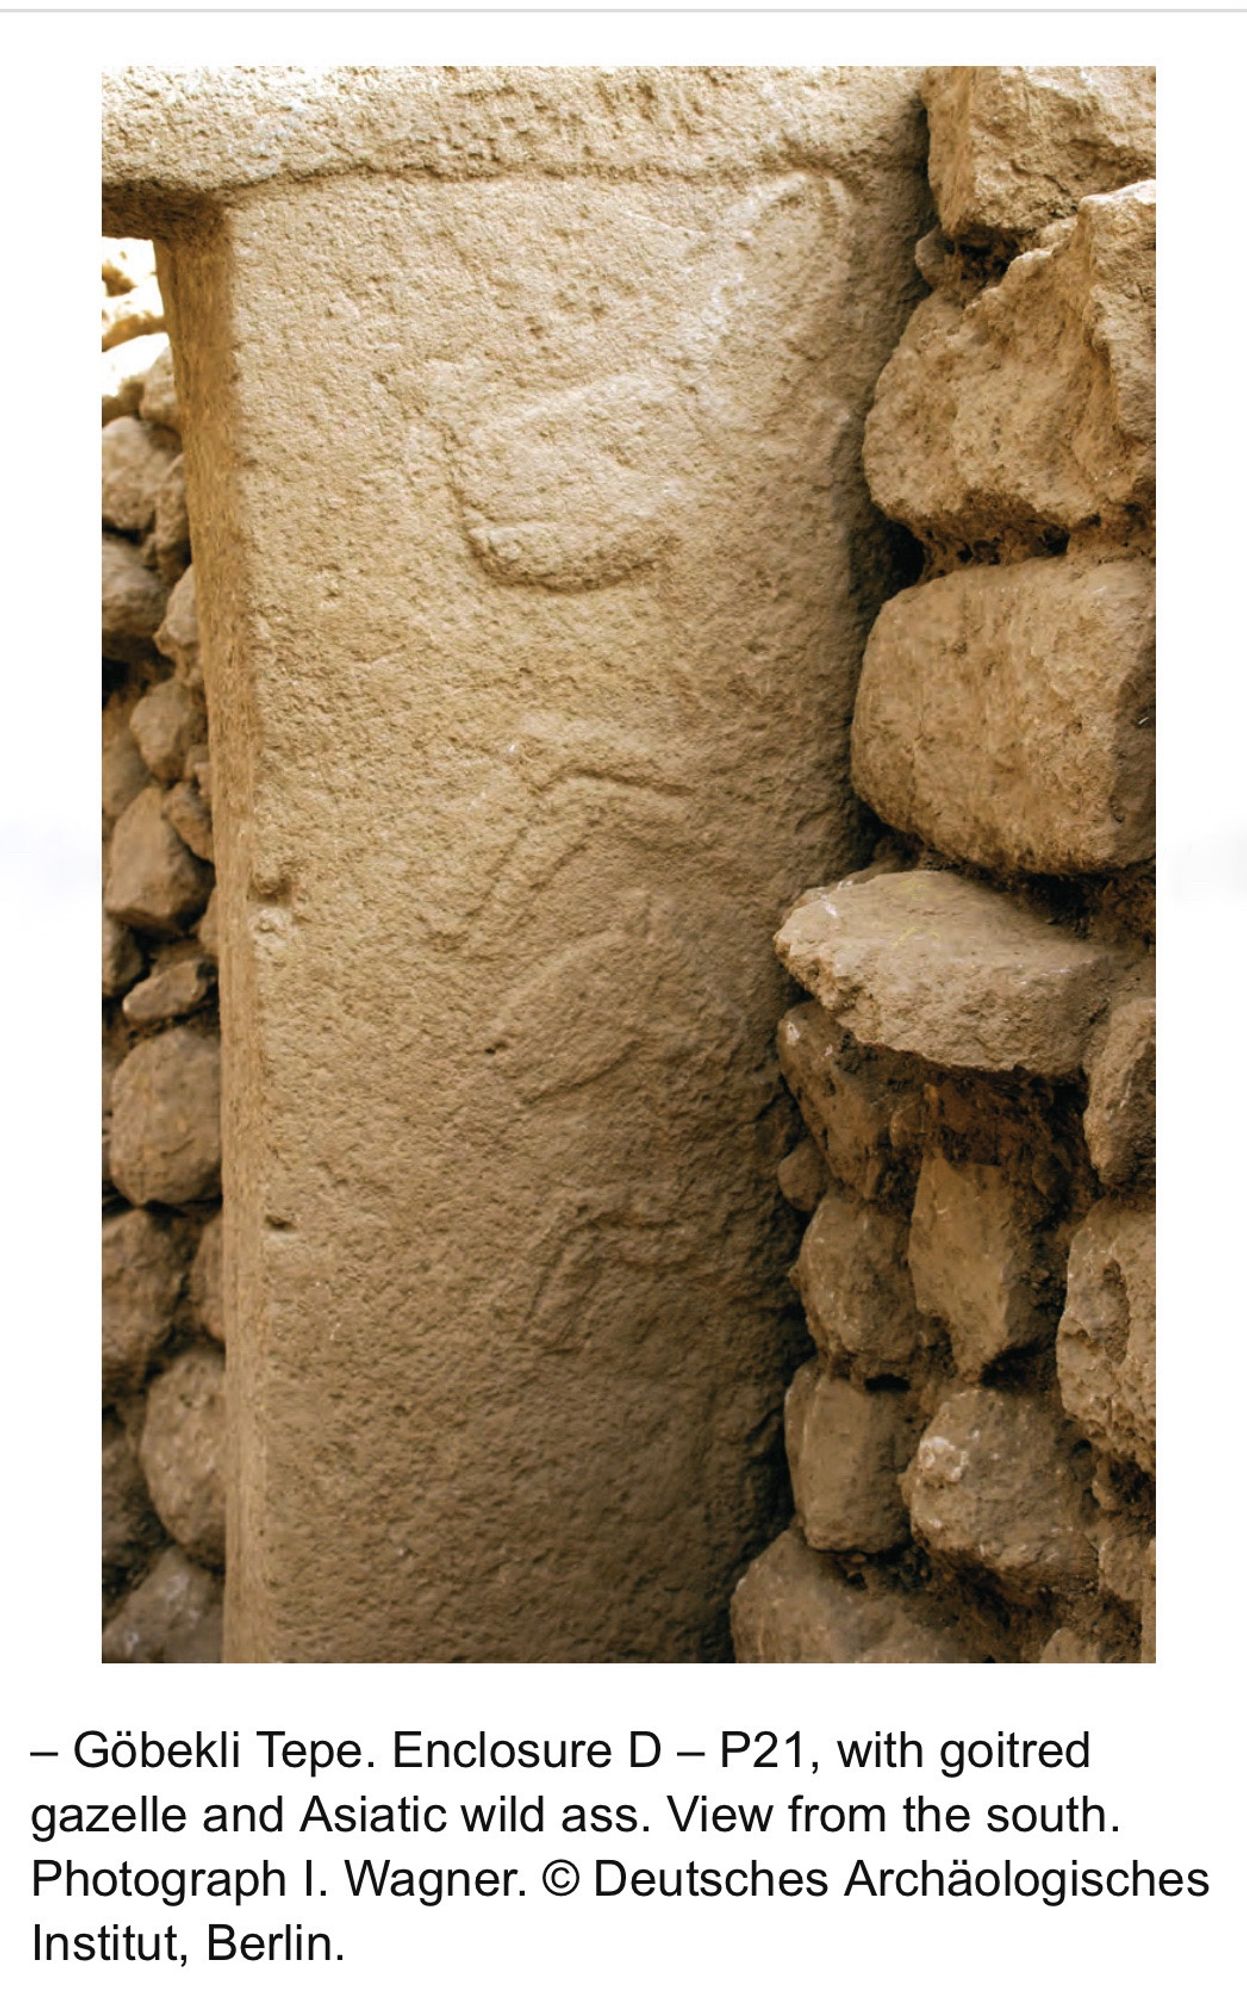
177, 140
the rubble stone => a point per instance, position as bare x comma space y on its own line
165, 1138
855, 1288
1106, 1342
153, 882
206, 1286
129, 1527
178, 637
993, 1485
1120, 1121
847, 1448
168, 992
1014, 147
160, 396
134, 461
792, 1604
164, 724
133, 601
145, 1259
1034, 407
802, 1176
122, 957
123, 773
943, 968
1006, 715
978, 1262
172, 523
187, 811
174, 1615
209, 928
183, 1451
851, 1099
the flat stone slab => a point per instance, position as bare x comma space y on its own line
943, 968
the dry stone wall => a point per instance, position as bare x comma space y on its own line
162, 1373
973, 1446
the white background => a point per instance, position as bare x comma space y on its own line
1167, 1740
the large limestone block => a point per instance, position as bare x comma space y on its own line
859, 1104
943, 968
978, 1261
855, 1288
1106, 1343
1006, 715
792, 1604
183, 1452
153, 881
173, 1616
533, 559
145, 1260
1120, 1120
165, 1134
993, 1485
1033, 408
1012, 148
847, 1448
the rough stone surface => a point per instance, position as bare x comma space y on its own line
183, 1452
855, 1101
122, 957
1120, 1122
133, 601
188, 812
178, 637
946, 969
174, 1615
130, 1529
802, 1176
145, 1259
855, 1288
159, 404
530, 639
792, 1604
172, 528
153, 881
134, 460
992, 1485
206, 1281
1006, 715
979, 1263
1013, 147
166, 1139
1106, 1343
123, 773
164, 724
1033, 408
171, 990
208, 932
847, 1448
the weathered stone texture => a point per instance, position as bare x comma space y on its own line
166, 1140
164, 724
979, 1263
856, 1102
135, 458
847, 1448
206, 1281
153, 881
993, 1485
1033, 408
1006, 715
1120, 1121
170, 991
129, 1527
178, 637
133, 601
946, 969
145, 1258
792, 1604
183, 1452
174, 1615
855, 1288
1106, 1343
1012, 148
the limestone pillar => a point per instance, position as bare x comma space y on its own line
533, 566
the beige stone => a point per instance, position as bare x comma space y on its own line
160, 397
1120, 1121
169, 991
208, 932
164, 724
165, 1136
172, 1616
941, 967
153, 881
533, 558
792, 1604
123, 773
129, 1527
183, 1452
122, 957
134, 460
1069, 1648
802, 1176
855, 1288
171, 525
993, 1486
1034, 407
206, 1280
1106, 1342
1007, 715
1012, 148
133, 601
145, 1258
854, 1100
979, 1263
188, 812
847, 1448
178, 637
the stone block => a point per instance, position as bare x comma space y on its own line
993, 1485
123, 773
1120, 1121
189, 813
847, 1448
134, 458
943, 968
1013, 148
133, 601
165, 1143
1106, 1342
174, 1615
183, 1452
153, 881
145, 1259
793, 1605
855, 1288
856, 1102
1006, 715
169, 991
121, 957
178, 637
979, 1263
165, 723
1033, 408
